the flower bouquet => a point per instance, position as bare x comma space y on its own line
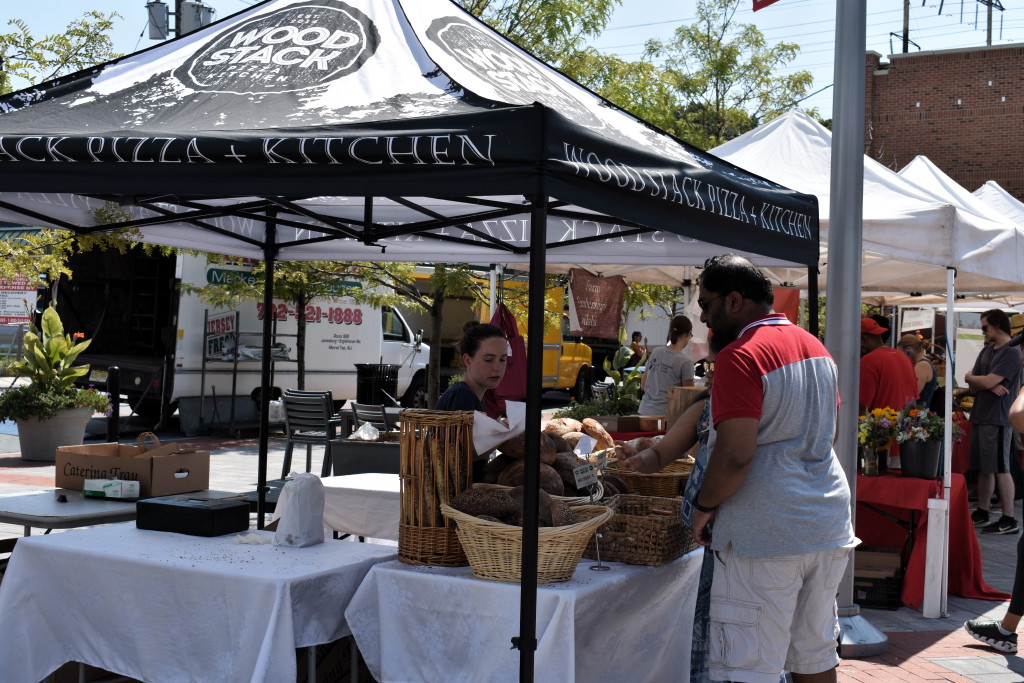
877, 428
917, 424
876, 431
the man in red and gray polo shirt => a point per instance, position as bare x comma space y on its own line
774, 505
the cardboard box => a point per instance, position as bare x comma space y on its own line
620, 423
651, 423
877, 563
111, 488
679, 399
161, 471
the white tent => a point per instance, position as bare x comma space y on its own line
910, 234
1002, 202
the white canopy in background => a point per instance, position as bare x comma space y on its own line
1002, 202
926, 175
910, 234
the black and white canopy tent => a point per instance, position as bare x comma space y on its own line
401, 130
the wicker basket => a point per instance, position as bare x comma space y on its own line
571, 500
495, 549
644, 530
667, 482
435, 466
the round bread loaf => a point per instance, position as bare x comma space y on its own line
495, 466
494, 502
515, 474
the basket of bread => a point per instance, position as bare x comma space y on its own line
645, 530
490, 530
557, 463
668, 482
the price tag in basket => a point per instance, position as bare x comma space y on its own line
600, 458
585, 475
585, 446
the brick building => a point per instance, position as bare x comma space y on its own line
962, 108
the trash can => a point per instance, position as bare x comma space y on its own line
377, 384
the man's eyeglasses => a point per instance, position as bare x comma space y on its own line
703, 305
984, 328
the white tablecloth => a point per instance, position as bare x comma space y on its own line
359, 504
436, 624
165, 607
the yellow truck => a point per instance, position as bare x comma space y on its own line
568, 359
568, 362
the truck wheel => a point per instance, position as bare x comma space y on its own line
416, 395
147, 407
582, 391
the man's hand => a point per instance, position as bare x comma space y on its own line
999, 390
701, 523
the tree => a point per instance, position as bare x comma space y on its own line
84, 43
552, 30
723, 75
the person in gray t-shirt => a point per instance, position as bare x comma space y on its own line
668, 366
994, 380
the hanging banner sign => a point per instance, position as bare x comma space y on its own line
596, 303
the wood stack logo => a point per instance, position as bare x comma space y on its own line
513, 74
295, 48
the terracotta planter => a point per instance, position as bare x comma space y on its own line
39, 439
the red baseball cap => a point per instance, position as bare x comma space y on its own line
869, 326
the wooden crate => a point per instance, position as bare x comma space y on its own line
679, 399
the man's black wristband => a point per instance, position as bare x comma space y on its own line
705, 510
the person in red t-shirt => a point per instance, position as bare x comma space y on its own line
887, 378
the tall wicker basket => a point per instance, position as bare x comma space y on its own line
436, 465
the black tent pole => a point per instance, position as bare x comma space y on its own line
527, 639
269, 255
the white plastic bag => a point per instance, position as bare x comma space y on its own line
302, 515
275, 412
366, 432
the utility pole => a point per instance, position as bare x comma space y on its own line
988, 40
906, 26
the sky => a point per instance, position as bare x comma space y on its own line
808, 23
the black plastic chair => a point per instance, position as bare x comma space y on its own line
309, 420
375, 415
601, 389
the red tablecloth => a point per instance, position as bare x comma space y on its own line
962, 449
898, 496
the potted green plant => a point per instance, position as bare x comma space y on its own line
50, 410
622, 399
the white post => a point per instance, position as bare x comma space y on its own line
933, 605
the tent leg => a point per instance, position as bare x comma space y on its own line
269, 255
526, 642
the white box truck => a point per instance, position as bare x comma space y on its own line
156, 335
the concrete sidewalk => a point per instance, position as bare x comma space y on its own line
919, 649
